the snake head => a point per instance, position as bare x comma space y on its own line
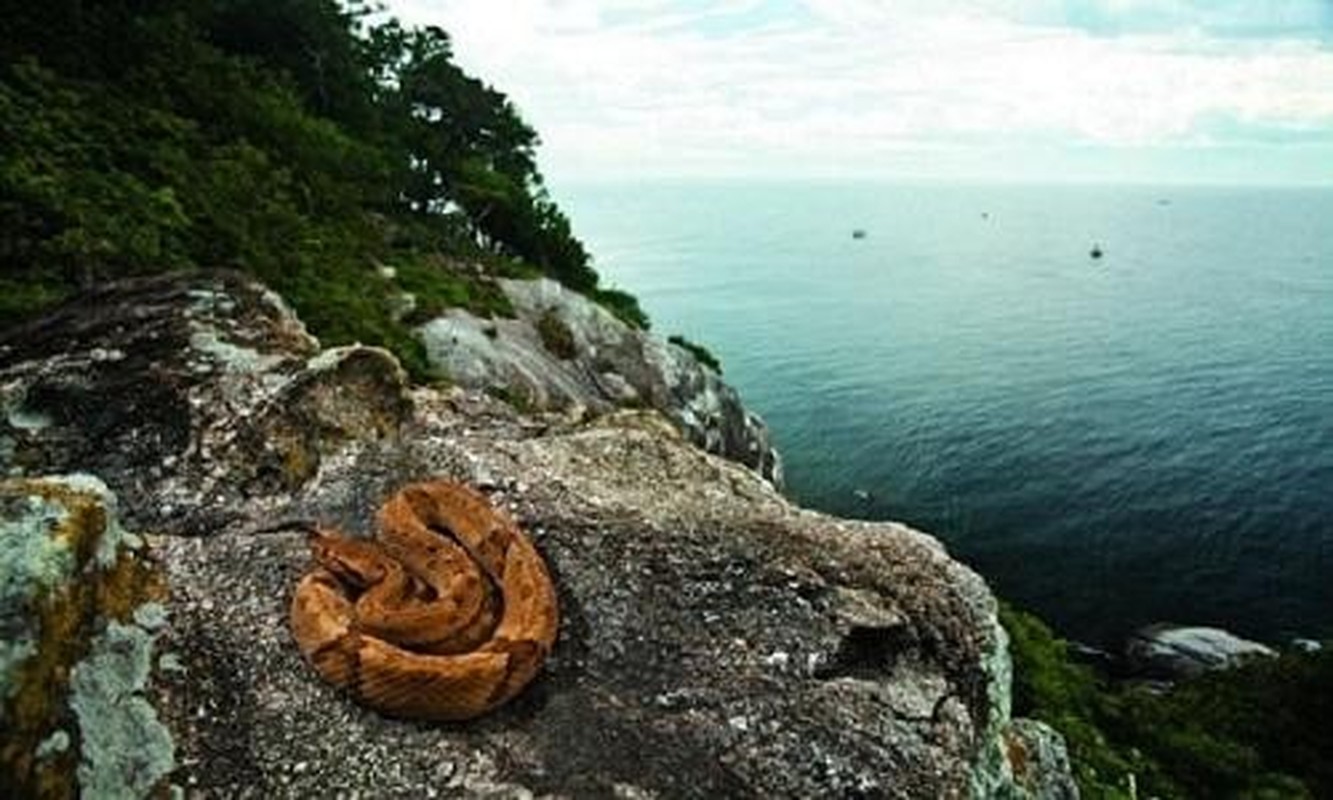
354, 562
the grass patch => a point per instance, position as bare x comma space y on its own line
438, 283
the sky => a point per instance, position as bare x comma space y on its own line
1157, 91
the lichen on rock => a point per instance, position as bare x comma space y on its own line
1038, 763
71, 580
125, 750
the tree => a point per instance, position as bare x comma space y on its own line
294, 139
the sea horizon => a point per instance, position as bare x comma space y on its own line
560, 184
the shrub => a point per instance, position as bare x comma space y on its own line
438, 283
624, 306
1260, 730
556, 336
701, 354
1065, 695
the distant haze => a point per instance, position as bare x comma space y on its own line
1223, 91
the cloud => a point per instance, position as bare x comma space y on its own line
1307, 19
866, 86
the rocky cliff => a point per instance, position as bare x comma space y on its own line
715, 640
563, 352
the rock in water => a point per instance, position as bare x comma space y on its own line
1172, 652
715, 640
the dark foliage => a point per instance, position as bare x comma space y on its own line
702, 354
292, 139
556, 336
1262, 730
624, 306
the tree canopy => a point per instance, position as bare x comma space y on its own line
308, 142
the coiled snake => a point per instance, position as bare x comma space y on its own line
447, 613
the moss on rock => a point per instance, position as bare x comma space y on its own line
69, 576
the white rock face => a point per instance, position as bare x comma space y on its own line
1170, 651
511, 356
612, 365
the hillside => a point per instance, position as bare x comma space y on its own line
345, 161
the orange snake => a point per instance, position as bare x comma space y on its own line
447, 613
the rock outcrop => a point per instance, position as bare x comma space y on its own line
1175, 652
563, 351
80, 613
715, 640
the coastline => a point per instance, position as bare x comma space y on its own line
1103, 449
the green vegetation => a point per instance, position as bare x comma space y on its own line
519, 400
624, 306
556, 336
297, 140
702, 354
1262, 730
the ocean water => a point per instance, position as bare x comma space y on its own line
1142, 437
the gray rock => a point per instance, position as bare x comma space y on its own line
78, 625
612, 365
1038, 761
215, 395
715, 640
1172, 652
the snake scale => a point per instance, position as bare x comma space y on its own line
447, 613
